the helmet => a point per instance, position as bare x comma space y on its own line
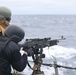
4, 11
15, 33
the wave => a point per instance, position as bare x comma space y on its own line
59, 51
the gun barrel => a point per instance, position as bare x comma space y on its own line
62, 38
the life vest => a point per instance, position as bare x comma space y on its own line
3, 62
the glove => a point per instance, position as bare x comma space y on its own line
29, 51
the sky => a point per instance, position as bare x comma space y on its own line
40, 6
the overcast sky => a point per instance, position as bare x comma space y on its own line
40, 6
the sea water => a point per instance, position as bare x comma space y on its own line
54, 26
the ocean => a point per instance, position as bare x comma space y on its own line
53, 26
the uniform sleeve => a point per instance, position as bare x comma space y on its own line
17, 61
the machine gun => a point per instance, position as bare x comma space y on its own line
40, 43
35, 46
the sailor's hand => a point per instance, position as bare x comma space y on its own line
25, 53
30, 52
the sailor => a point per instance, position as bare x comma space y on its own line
5, 17
10, 50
